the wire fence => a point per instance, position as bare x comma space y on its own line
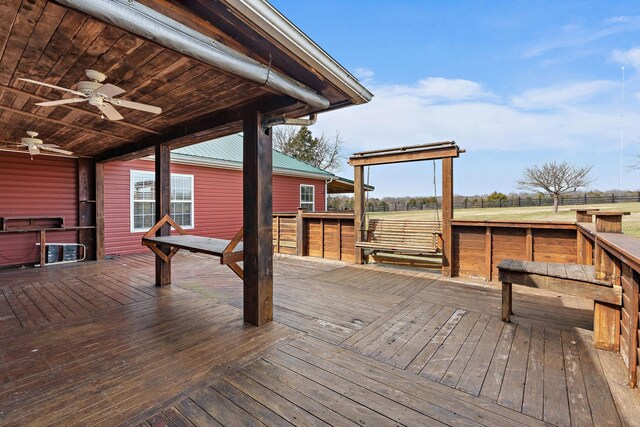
530, 201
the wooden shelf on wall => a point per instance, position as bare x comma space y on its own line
28, 223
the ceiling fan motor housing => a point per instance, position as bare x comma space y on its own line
88, 87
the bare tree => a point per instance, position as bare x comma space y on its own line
555, 179
322, 152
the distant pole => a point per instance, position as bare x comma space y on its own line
621, 130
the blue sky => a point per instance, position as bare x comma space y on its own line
516, 83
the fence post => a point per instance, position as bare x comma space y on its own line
499, 203
613, 197
519, 202
481, 202
300, 232
585, 198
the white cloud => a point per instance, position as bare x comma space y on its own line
406, 115
628, 57
437, 89
364, 75
562, 95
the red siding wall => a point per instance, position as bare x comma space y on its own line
44, 186
217, 205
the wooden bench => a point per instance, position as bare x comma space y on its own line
571, 279
403, 237
229, 251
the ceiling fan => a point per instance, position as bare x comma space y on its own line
34, 145
98, 94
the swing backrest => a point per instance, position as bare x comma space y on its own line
409, 234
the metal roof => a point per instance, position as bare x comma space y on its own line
228, 149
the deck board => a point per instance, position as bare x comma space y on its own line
350, 345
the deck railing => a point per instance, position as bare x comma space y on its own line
479, 246
318, 234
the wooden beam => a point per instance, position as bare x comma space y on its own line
163, 207
78, 110
99, 181
358, 210
64, 124
410, 156
198, 129
87, 205
258, 220
447, 215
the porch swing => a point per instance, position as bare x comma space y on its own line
437, 236
403, 237
230, 252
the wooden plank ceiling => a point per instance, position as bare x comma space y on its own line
44, 41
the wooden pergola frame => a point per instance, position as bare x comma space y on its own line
445, 151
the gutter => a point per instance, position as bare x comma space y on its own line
229, 165
145, 22
276, 25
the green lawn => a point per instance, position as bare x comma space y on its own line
630, 223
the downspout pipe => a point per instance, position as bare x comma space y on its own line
276, 121
145, 22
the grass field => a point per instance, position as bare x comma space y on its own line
630, 223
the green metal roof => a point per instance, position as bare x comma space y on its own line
228, 149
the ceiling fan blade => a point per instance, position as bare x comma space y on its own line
33, 150
57, 150
109, 90
136, 106
60, 102
75, 92
110, 112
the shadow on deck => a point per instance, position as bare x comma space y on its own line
98, 344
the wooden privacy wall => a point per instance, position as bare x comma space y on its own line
617, 257
284, 233
479, 246
317, 234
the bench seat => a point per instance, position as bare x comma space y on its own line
571, 279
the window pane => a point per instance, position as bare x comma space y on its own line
181, 213
143, 186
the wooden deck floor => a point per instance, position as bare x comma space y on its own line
98, 344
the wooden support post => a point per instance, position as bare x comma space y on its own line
277, 234
87, 205
583, 216
339, 240
488, 256
608, 222
606, 317
321, 238
100, 211
358, 209
43, 248
300, 242
633, 329
163, 207
507, 301
529, 244
258, 220
447, 215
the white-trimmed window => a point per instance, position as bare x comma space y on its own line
307, 197
143, 204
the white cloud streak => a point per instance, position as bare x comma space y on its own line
571, 36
